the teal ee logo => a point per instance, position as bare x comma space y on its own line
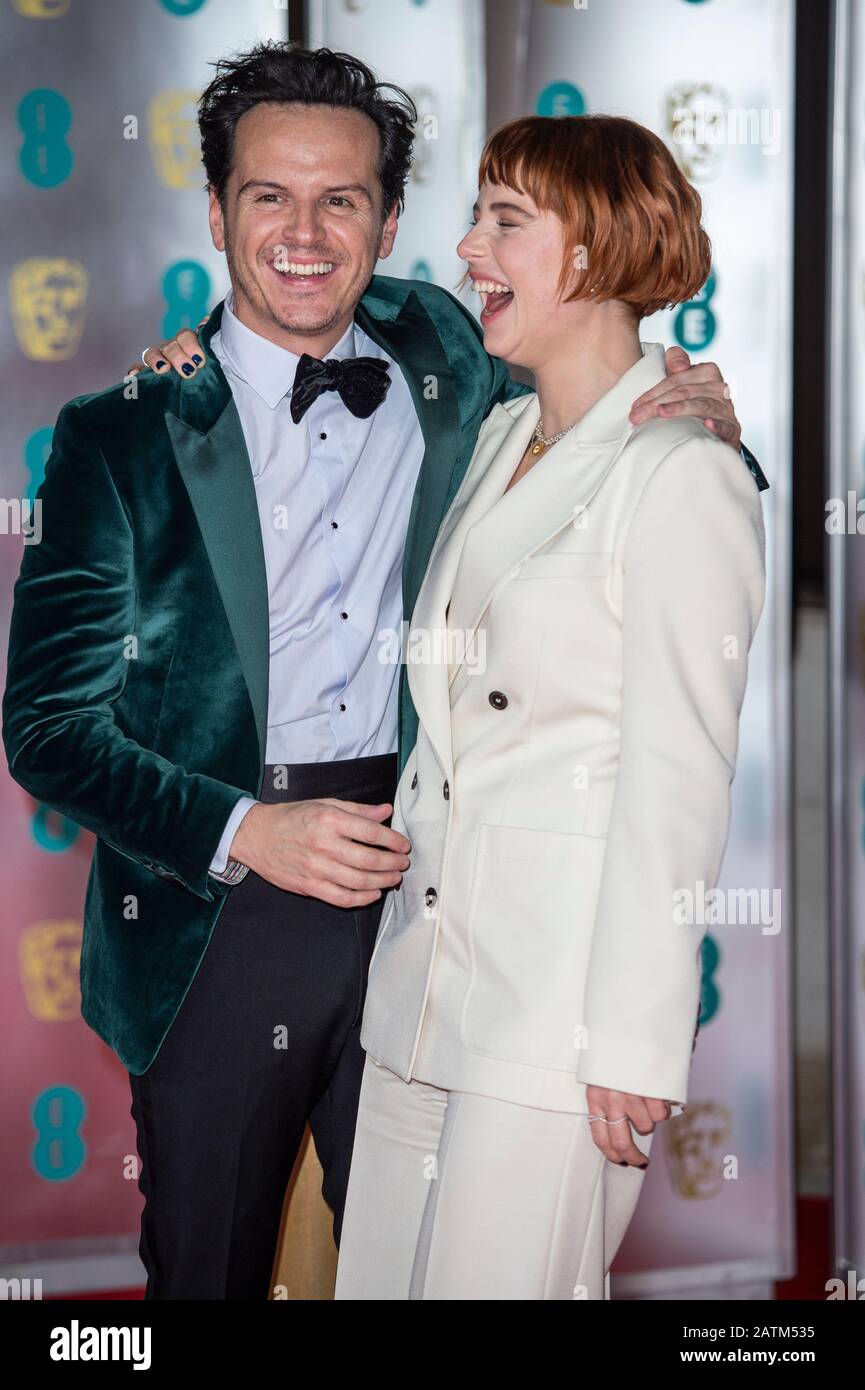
560, 99
709, 995
52, 831
44, 118
36, 453
59, 1151
694, 325
182, 7
186, 289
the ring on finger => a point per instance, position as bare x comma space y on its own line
592, 1119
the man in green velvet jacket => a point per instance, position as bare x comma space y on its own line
137, 696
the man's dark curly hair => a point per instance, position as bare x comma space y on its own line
275, 71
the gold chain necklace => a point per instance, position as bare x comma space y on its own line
540, 443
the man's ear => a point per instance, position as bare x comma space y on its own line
217, 222
388, 234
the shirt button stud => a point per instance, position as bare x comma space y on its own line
343, 615
334, 525
341, 705
414, 782
447, 792
497, 699
430, 897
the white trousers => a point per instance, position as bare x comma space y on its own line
458, 1196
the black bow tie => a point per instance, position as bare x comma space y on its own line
362, 383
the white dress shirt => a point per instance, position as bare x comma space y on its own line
334, 494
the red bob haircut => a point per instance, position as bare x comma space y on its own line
621, 197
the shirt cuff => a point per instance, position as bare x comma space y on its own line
220, 859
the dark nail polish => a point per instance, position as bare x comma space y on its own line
642, 1165
161, 363
187, 369
623, 1163
196, 359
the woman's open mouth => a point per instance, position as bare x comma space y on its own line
495, 297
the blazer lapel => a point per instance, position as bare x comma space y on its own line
488, 532
210, 449
502, 444
408, 334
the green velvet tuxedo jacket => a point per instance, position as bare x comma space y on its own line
136, 701
136, 698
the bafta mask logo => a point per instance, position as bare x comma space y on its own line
172, 128
48, 299
49, 956
41, 9
694, 1146
696, 122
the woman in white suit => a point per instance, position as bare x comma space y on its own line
577, 657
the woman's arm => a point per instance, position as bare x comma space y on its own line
693, 591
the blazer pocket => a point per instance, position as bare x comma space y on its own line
566, 564
531, 913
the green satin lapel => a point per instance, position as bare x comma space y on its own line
411, 338
207, 438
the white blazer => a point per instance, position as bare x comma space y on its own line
573, 764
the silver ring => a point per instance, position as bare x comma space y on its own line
147, 349
592, 1118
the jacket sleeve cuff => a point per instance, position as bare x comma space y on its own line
621, 1063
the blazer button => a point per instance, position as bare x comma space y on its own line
447, 792
497, 699
430, 897
414, 782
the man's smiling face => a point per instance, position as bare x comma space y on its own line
302, 221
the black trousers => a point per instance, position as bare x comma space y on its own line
266, 1040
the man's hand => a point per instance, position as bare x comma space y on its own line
615, 1141
309, 847
184, 353
687, 390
